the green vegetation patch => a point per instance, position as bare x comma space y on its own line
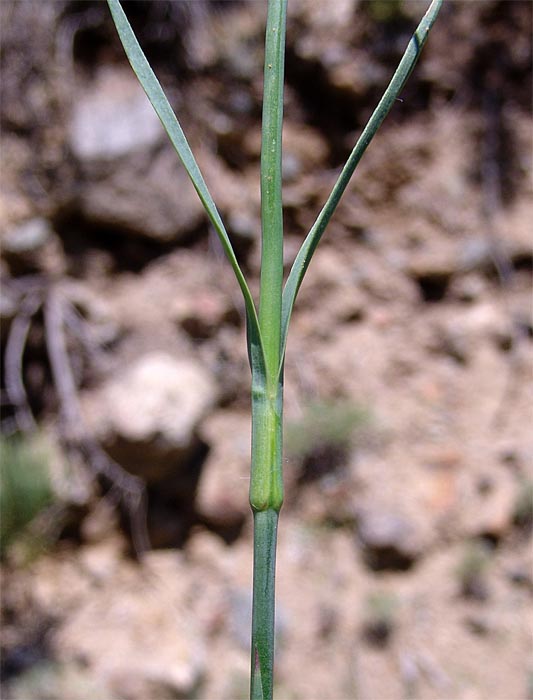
25, 486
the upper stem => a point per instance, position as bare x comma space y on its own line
271, 202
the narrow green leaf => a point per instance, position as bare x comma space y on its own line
310, 243
164, 111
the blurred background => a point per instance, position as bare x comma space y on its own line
404, 563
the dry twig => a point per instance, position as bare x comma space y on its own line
58, 315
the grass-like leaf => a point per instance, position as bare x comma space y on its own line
312, 239
170, 123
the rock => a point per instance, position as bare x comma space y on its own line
148, 415
9, 301
485, 319
32, 246
450, 340
443, 465
520, 575
100, 325
305, 150
433, 277
114, 133
476, 253
472, 570
46, 679
491, 507
378, 627
143, 195
135, 634
222, 495
478, 625
101, 560
468, 288
112, 117
243, 227
240, 616
201, 315
389, 540
102, 519
313, 47
28, 236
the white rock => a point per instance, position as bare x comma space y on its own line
113, 118
147, 416
27, 236
222, 494
160, 396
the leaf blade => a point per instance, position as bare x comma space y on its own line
164, 111
402, 73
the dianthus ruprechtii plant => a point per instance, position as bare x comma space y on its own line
268, 322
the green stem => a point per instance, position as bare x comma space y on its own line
266, 498
266, 485
271, 206
265, 537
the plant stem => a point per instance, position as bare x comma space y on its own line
266, 498
265, 537
266, 485
271, 207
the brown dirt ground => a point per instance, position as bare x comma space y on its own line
403, 314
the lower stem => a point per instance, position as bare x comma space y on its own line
266, 498
263, 607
